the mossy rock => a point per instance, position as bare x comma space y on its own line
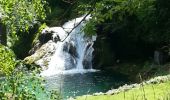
33, 58
42, 56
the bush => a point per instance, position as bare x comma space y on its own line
21, 15
7, 60
25, 86
19, 83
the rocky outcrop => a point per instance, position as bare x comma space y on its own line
42, 56
104, 56
46, 35
45, 47
70, 48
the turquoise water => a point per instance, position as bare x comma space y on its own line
72, 85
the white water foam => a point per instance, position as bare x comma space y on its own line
66, 72
73, 54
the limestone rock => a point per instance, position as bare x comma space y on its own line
42, 56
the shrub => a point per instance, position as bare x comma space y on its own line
25, 86
20, 84
7, 60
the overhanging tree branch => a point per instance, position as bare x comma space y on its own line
68, 33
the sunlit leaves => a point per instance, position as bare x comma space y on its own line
43, 26
89, 28
25, 86
117, 11
20, 15
7, 60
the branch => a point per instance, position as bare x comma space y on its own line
68, 33
69, 1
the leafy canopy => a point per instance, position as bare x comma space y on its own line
20, 15
147, 20
115, 12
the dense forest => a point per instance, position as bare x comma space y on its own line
133, 39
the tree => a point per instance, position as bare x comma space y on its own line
20, 15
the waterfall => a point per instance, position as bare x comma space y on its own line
73, 52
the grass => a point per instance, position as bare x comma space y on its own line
151, 91
147, 70
147, 92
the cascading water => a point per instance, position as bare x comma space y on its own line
73, 53
58, 52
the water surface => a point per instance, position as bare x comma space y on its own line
78, 84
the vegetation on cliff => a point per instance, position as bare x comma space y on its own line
16, 81
19, 15
128, 31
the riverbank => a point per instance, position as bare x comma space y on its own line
154, 89
152, 83
147, 70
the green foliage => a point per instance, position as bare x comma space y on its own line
25, 86
134, 28
7, 60
63, 10
151, 92
36, 36
20, 15
144, 19
19, 84
120, 9
89, 28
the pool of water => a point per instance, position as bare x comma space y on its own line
71, 85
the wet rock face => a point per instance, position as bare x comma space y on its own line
104, 56
86, 64
87, 59
71, 49
36, 47
45, 37
71, 55
71, 62
43, 55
